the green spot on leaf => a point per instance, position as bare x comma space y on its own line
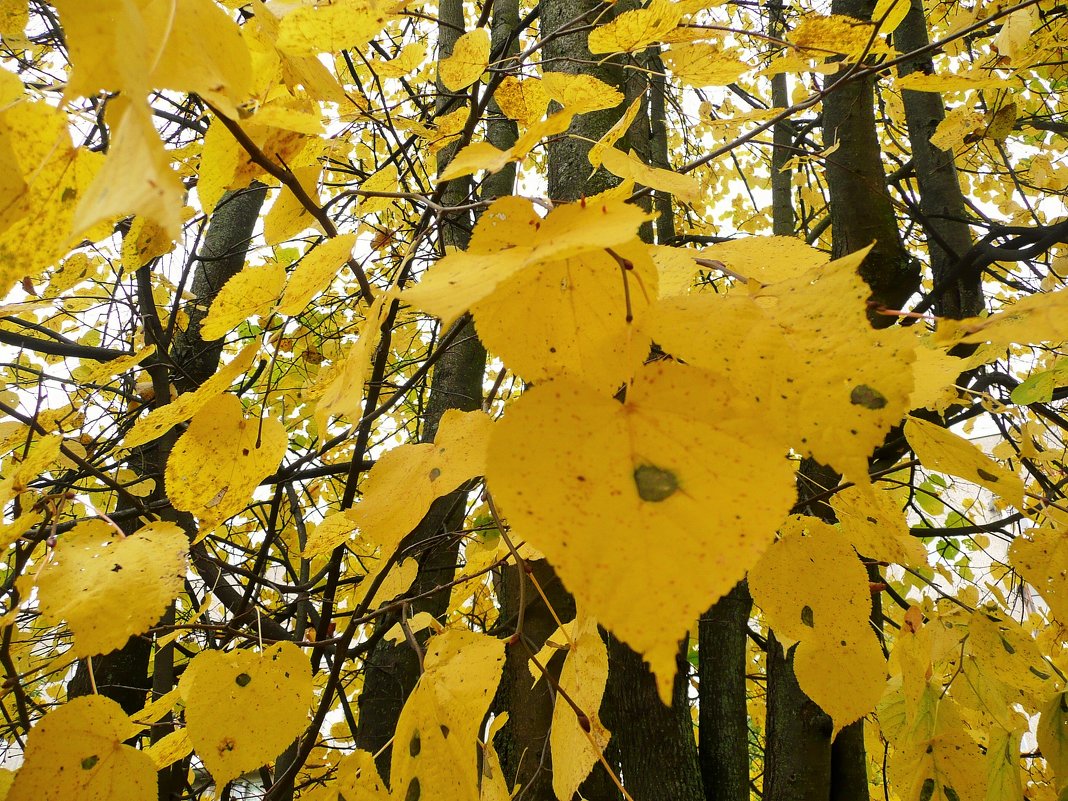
413, 791
863, 395
951, 794
927, 790
654, 483
243, 679
807, 616
89, 762
414, 746
983, 474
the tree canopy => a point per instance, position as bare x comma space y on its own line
542, 400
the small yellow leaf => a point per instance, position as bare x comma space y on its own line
314, 273
830, 596
19, 471
136, 177
945, 452
312, 29
109, 587
407, 479
474, 157
580, 93
161, 420
77, 751
170, 748
385, 180
357, 778
959, 124
220, 460
335, 529
251, 292
700, 65
410, 57
837, 33
1035, 318
874, 522
1041, 558
469, 59
767, 259
288, 215
578, 744
636, 29
435, 745
630, 167
889, 14
615, 133
949, 82
243, 709
1053, 736
524, 100
843, 672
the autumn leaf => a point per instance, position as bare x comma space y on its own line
243, 709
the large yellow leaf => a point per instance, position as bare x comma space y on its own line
159, 421
1035, 318
843, 672
109, 587
599, 487
580, 93
407, 479
577, 745
636, 29
699, 65
839, 385
243, 709
220, 460
947, 766
945, 452
585, 328
469, 59
435, 747
873, 521
251, 292
811, 584
77, 751
136, 177
767, 259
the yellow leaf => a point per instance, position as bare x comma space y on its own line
630, 167
343, 395
585, 328
615, 133
767, 259
289, 216
874, 523
385, 180
580, 93
945, 452
570, 467
109, 587
435, 745
357, 778
636, 29
837, 33
1052, 736
474, 157
136, 177
959, 123
889, 14
77, 751
524, 100
826, 598
251, 292
843, 672
170, 748
469, 59
949, 82
220, 460
410, 57
20, 470
577, 745
700, 65
143, 242
341, 25
1041, 558
839, 384
946, 767
1034, 319
335, 529
314, 273
407, 479
243, 709
161, 420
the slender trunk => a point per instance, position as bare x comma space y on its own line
723, 724
861, 210
944, 213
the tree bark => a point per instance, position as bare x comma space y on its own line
944, 212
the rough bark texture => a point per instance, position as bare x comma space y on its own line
723, 724
861, 211
945, 214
